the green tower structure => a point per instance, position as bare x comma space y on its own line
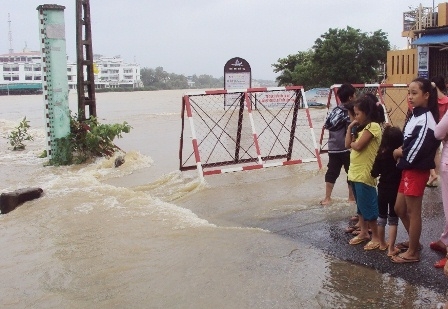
55, 82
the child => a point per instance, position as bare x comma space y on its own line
415, 159
442, 100
364, 142
338, 156
390, 176
441, 133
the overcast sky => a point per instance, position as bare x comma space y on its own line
199, 36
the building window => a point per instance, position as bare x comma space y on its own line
28, 77
6, 77
15, 77
15, 68
37, 77
36, 68
6, 68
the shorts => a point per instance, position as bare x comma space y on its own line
366, 200
413, 182
335, 162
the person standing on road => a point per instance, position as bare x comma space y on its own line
338, 155
441, 133
415, 159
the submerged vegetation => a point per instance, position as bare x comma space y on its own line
88, 139
19, 135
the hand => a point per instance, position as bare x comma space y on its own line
353, 123
398, 153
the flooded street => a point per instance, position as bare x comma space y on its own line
145, 235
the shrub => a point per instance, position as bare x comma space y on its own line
19, 135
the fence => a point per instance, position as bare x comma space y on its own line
246, 129
392, 96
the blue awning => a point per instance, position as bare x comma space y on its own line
441, 38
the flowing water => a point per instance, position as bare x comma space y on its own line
145, 235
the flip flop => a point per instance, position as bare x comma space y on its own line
394, 253
440, 264
384, 248
357, 240
352, 228
371, 245
403, 246
399, 259
436, 247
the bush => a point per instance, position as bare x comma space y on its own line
87, 140
20, 134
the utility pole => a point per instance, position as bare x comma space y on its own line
84, 61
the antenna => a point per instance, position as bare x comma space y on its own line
10, 35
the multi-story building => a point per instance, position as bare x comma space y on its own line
22, 73
426, 55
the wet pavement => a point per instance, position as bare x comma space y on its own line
328, 235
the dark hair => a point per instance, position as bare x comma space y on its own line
374, 112
440, 83
372, 96
426, 87
392, 139
345, 91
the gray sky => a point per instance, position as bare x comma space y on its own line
199, 36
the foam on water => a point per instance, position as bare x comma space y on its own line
83, 187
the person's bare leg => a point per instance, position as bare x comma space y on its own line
328, 190
401, 210
414, 211
382, 236
392, 238
351, 196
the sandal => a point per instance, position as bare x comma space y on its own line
352, 228
357, 240
393, 253
371, 245
403, 246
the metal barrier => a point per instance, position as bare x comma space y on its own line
246, 129
394, 98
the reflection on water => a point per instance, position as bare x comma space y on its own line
145, 235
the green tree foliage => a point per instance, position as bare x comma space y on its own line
159, 79
338, 56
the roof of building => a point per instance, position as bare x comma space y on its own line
430, 39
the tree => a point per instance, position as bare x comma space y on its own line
338, 56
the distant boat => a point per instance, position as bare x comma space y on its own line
20, 88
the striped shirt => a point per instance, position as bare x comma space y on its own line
419, 144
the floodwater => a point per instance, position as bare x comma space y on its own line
146, 235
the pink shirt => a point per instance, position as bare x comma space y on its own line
443, 106
440, 132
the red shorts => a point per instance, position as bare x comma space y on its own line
413, 182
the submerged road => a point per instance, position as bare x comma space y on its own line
329, 236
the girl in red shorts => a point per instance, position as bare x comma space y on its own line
415, 159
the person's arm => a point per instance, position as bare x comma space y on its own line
398, 153
441, 129
349, 138
362, 141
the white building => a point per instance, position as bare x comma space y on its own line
110, 72
22, 72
